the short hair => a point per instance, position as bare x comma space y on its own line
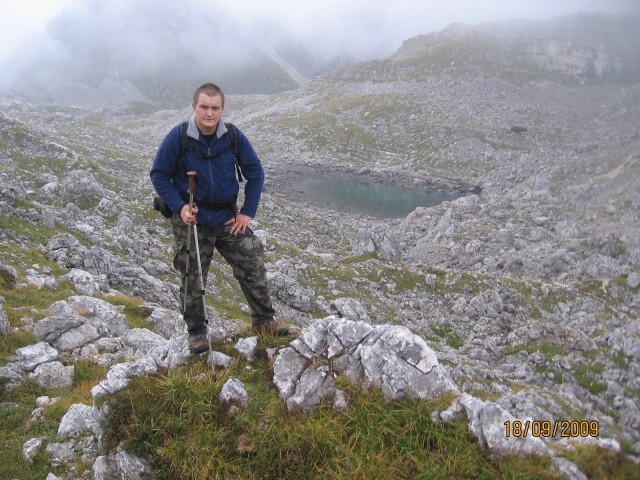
210, 89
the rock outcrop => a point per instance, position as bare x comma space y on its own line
385, 357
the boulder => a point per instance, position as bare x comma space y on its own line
387, 357
53, 375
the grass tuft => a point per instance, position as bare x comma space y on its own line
601, 463
134, 310
176, 419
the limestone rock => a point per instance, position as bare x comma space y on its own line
384, 356
4, 320
234, 393
53, 375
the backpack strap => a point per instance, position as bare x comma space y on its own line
234, 145
184, 147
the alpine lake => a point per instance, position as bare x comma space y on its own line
374, 199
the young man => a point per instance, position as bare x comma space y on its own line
220, 225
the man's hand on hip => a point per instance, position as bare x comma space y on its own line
238, 224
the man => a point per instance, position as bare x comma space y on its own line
220, 225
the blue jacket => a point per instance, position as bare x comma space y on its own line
216, 179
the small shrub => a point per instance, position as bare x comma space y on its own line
133, 310
587, 378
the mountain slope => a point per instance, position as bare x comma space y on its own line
527, 287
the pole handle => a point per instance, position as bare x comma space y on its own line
192, 182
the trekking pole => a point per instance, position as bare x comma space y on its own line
192, 190
188, 252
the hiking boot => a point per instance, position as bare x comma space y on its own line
198, 343
271, 328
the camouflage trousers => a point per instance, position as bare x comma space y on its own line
244, 252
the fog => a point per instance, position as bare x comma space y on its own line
45, 39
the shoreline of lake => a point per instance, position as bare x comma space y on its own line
376, 199
286, 180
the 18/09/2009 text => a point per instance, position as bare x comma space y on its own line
554, 428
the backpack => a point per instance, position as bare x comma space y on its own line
162, 207
184, 147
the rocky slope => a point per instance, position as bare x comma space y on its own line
527, 288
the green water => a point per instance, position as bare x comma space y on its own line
384, 201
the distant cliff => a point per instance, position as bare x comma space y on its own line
583, 45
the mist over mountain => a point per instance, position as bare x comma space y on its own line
153, 53
95, 61
145, 56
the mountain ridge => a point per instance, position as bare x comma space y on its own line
583, 45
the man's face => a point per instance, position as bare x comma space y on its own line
208, 111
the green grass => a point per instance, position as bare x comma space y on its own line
598, 463
552, 373
448, 335
25, 244
359, 258
176, 419
15, 409
10, 343
18, 228
133, 310
588, 376
31, 301
549, 349
16, 405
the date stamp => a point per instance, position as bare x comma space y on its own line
552, 428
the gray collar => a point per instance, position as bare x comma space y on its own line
193, 132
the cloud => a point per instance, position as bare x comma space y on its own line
67, 37
26, 19
375, 28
